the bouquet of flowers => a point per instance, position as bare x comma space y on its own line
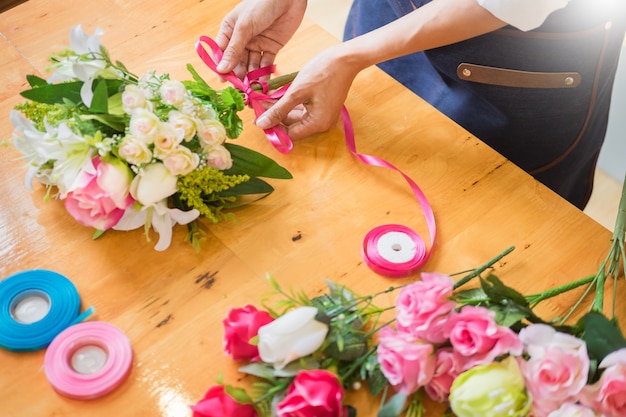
125, 152
482, 351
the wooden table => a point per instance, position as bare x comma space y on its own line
171, 304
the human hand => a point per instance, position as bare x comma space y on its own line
313, 102
254, 31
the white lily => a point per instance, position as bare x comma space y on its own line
160, 217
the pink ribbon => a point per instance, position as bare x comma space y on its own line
282, 142
370, 254
276, 135
67, 381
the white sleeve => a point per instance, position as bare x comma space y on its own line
523, 14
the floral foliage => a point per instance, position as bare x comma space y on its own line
125, 152
481, 351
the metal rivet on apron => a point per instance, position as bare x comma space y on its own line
569, 80
467, 72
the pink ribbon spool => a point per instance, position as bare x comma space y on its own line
393, 250
88, 360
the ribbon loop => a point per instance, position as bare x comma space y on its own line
276, 135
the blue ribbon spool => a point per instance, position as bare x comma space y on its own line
48, 289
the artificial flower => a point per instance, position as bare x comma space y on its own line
102, 197
170, 135
496, 389
316, 393
291, 336
240, 327
217, 403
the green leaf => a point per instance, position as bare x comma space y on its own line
35, 81
352, 347
55, 93
233, 99
498, 291
376, 380
252, 186
602, 336
473, 295
100, 101
393, 407
255, 164
115, 122
238, 394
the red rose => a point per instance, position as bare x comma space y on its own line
216, 403
241, 325
316, 393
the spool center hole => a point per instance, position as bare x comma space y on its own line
396, 247
30, 306
88, 359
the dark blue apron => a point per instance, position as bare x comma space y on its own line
540, 98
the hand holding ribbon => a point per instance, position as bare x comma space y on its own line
253, 98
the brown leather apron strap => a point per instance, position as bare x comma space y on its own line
514, 78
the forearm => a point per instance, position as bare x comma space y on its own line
438, 23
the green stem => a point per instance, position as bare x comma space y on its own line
535, 299
276, 83
476, 272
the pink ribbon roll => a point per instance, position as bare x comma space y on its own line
88, 360
373, 257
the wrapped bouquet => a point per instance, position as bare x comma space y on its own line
125, 152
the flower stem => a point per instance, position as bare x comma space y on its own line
535, 299
277, 82
476, 272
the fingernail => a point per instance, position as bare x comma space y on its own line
263, 122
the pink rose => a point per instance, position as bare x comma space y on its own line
446, 371
557, 367
477, 339
100, 199
217, 403
572, 410
241, 325
608, 395
422, 305
316, 393
406, 362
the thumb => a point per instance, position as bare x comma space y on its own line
229, 60
276, 114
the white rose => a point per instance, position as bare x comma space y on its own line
145, 125
167, 140
291, 336
218, 157
132, 99
181, 161
184, 123
134, 151
152, 184
211, 132
172, 92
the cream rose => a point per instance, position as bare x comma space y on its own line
152, 184
181, 161
145, 125
134, 151
167, 140
218, 157
211, 132
133, 99
172, 92
184, 123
